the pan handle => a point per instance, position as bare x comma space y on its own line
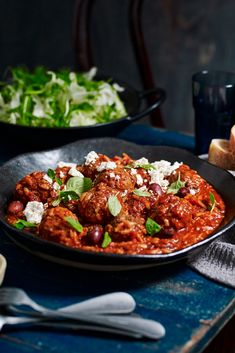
161, 96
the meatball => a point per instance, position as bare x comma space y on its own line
55, 228
34, 187
93, 207
89, 170
171, 211
190, 176
125, 227
137, 206
118, 178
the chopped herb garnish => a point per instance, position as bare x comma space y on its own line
51, 173
145, 166
174, 187
106, 241
21, 224
74, 224
152, 227
212, 200
79, 184
68, 196
59, 181
114, 205
139, 165
140, 192
65, 196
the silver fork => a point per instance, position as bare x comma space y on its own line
112, 303
12, 320
147, 328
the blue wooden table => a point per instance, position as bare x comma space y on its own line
192, 308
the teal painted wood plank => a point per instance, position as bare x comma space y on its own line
182, 300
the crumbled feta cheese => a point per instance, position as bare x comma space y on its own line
47, 178
74, 172
34, 212
91, 157
139, 179
66, 164
142, 160
117, 177
133, 171
124, 193
161, 170
56, 186
106, 165
112, 175
192, 191
62, 175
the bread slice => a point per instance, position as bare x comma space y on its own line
232, 139
221, 154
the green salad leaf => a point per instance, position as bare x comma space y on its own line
106, 241
152, 227
21, 224
45, 98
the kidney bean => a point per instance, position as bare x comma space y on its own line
15, 207
169, 232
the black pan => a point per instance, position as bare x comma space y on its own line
15, 169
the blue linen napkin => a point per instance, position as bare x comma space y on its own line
147, 135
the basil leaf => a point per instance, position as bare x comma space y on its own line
59, 181
152, 227
68, 195
106, 241
21, 224
145, 166
56, 202
51, 173
140, 192
212, 200
79, 184
174, 187
74, 224
114, 205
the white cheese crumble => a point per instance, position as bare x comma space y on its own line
74, 172
162, 169
62, 175
192, 191
66, 164
47, 178
133, 171
112, 175
142, 160
91, 157
34, 212
56, 186
106, 165
139, 180
117, 177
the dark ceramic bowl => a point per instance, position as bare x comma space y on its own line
18, 139
15, 169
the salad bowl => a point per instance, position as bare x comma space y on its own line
20, 138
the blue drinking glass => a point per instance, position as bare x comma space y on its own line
214, 106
